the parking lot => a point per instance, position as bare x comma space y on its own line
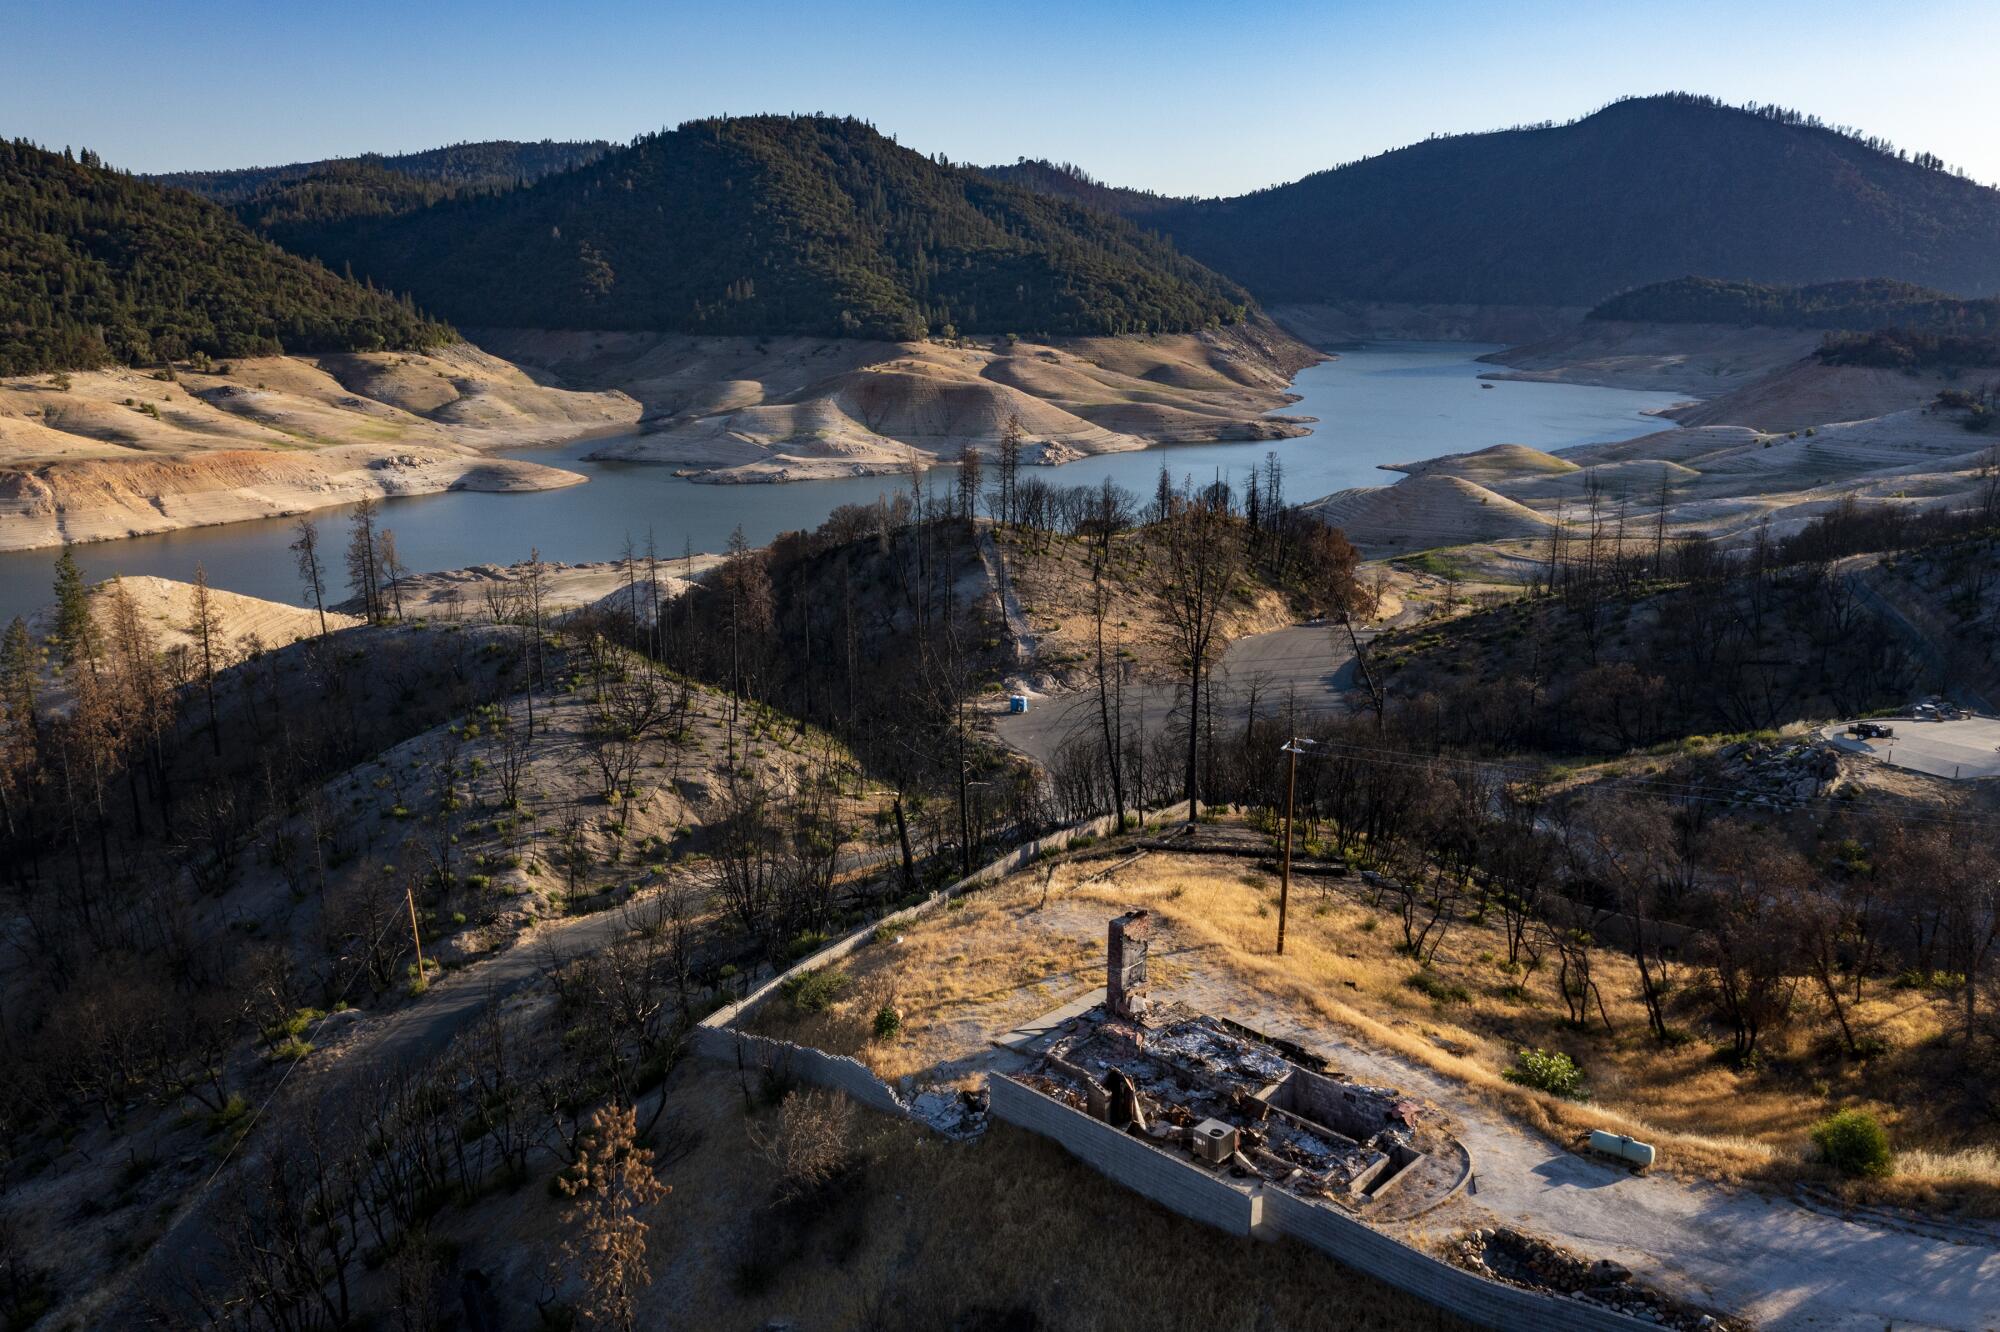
1963, 749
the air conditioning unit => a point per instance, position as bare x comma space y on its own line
1213, 1141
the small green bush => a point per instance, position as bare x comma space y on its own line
1551, 1071
804, 944
290, 1050
815, 991
1437, 989
1855, 1143
888, 1023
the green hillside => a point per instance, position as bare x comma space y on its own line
775, 224
493, 163
97, 266
1858, 306
1644, 191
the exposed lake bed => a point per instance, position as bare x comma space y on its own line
1375, 406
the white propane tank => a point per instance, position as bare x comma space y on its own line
1640, 1154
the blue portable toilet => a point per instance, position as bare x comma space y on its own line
1017, 702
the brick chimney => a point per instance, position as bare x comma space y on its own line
1125, 969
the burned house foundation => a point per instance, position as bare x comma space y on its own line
1242, 1105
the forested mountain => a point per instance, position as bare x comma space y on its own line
1858, 306
495, 163
98, 266
362, 187
1643, 191
1913, 349
780, 224
1066, 180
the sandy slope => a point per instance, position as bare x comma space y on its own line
477, 591
1488, 465
103, 454
1425, 511
1807, 393
783, 409
167, 608
1334, 324
1724, 481
1788, 439
1699, 359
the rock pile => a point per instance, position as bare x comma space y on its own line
956, 1113
1520, 1259
1778, 774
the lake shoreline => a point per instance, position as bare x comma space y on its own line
1369, 408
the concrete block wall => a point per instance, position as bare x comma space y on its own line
1011, 863
1473, 1298
838, 1072
715, 1038
1272, 1213
1211, 1199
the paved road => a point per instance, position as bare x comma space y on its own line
1962, 749
1307, 668
1789, 1266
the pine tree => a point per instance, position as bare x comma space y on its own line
205, 627
307, 550
362, 573
75, 635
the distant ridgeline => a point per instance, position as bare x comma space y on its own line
1642, 191
98, 266
1862, 305
1912, 349
764, 225
1868, 322
498, 163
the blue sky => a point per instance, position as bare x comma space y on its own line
1173, 95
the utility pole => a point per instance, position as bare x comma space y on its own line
417, 938
1295, 747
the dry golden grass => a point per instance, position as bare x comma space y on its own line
941, 1234
958, 978
965, 975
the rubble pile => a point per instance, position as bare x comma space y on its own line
1778, 774
1203, 1047
1165, 1077
1520, 1259
956, 1113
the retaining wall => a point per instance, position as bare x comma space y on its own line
840, 1072
715, 1038
1270, 1213
1138, 1165
1011, 863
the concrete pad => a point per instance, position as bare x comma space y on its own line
1037, 1032
1963, 750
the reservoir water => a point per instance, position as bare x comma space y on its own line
1385, 403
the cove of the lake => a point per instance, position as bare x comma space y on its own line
1384, 403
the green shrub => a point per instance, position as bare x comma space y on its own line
804, 944
888, 1023
1551, 1071
1437, 989
290, 1050
815, 991
234, 1112
1855, 1143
